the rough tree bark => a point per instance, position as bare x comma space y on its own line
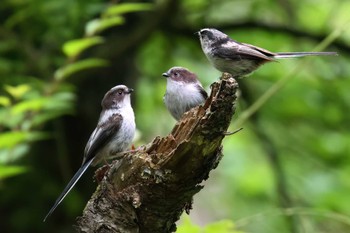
148, 190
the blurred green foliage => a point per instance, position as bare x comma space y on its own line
223, 226
287, 171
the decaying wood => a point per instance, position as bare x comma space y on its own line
148, 189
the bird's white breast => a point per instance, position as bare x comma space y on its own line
122, 138
181, 97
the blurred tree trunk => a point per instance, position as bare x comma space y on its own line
148, 190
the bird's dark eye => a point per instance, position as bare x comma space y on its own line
204, 32
207, 33
120, 92
176, 74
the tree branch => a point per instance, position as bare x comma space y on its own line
148, 190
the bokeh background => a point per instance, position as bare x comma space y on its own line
287, 171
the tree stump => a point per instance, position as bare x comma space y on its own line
148, 189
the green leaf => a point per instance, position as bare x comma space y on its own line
11, 155
8, 119
17, 91
8, 171
123, 8
70, 69
98, 25
74, 47
5, 101
29, 105
56, 105
187, 226
11, 139
45, 117
62, 101
223, 226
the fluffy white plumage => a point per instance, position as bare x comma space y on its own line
183, 91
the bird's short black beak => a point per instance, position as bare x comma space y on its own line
165, 75
129, 90
198, 33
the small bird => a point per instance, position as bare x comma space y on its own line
183, 91
240, 59
114, 132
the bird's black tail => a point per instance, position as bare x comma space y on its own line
69, 186
304, 54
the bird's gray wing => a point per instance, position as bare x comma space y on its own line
202, 91
102, 134
240, 51
261, 50
98, 140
